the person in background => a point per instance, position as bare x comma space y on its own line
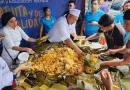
13, 35
6, 76
119, 17
71, 5
103, 6
46, 22
114, 34
91, 19
63, 28
126, 49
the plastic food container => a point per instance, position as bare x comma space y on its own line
23, 57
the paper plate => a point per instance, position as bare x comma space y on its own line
23, 56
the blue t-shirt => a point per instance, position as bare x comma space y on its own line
90, 17
119, 18
47, 24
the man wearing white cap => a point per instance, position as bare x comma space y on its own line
64, 27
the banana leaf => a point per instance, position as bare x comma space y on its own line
116, 87
42, 39
91, 67
21, 79
54, 78
79, 44
48, 82
38, 83
44, 87
79, 37
57, 87
86, 62
34, 88
86, 85
87, 81
41, 76
70, 80
125, 84
105, 57
63, 83
26, 85
124, 69
41, 47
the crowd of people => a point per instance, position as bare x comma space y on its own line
96, 21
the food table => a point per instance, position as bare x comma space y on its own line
55, 67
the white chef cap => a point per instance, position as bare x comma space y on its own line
75, 12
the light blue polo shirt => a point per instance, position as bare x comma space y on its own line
47, 24
90, 17
119, 18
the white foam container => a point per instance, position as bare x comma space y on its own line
23, 57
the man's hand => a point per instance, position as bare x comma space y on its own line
71, 44
94, 23
110, 51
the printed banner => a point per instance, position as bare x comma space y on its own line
30, 12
